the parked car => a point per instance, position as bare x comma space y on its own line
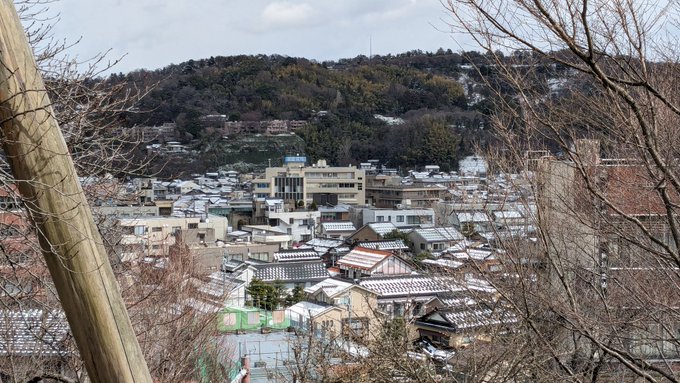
438, 354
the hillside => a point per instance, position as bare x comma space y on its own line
435, 96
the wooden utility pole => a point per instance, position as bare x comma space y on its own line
53, 196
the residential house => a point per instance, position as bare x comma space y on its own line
372, 232
414, 295
394, 245
459, 326
269, 235
292, 274
298, 223
337, 308
334, 213
339, 230
296, 255
434, 240
34, 338
361, 262
153, 236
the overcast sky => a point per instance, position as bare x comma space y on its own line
155, 33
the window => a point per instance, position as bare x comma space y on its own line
400, 218
176, 229
140, 230
155, 247
413, 220
156, 229
422, 246
380, 218
193, 226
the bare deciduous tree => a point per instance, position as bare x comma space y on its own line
595, 83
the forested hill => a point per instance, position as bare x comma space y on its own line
340, 99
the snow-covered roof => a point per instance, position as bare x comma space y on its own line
411, 285
448, 263
291, 271
32, 332
476, 216
330, 287
362, 258
307, 309
300, 254
382, 228
388, 244
338, 226
440, 234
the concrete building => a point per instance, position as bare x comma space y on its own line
390, 192
153, 236
400, 217
318, 183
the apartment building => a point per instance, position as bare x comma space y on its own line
390, 192
153, 236
319, 183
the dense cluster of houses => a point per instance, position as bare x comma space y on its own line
363, 244
349, 248
360, 245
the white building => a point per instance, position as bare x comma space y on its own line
319, 183
401, 218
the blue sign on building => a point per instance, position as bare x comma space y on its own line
294, 159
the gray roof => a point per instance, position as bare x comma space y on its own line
306, 254
33, 333
409, 285
440, 234
291, 271
382, 228
338, 226
473, 316
391, 244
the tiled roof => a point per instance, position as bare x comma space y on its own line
447, 263
392, 244
306, 254
382, 228
329, 286
414, 285
338, 226
478, 316
324, 242
476, 254
410, 285
473, 217
291, 271
440, 234
362, 258
32, 333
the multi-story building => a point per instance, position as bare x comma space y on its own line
401, 218
318, 183
153, 236
300, 224
389, 192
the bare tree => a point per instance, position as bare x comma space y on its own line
35, 343
595, 83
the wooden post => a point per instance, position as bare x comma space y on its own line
54, 199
